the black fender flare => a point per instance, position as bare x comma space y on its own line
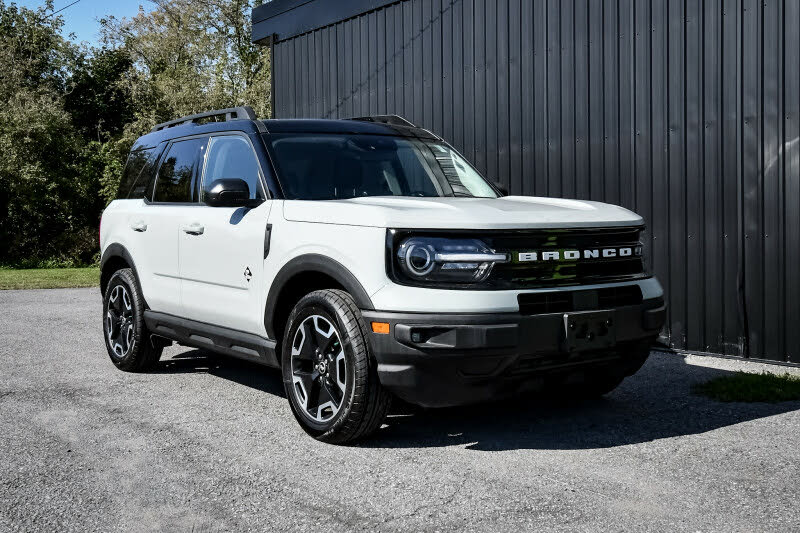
117, 250
313, 263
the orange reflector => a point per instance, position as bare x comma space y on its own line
380, 327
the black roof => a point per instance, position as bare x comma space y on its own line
183, 130
345, 126
283, 126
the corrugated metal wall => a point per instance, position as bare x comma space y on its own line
684, 111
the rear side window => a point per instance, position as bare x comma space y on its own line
136, 174
178, 173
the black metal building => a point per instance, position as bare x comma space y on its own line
685, 111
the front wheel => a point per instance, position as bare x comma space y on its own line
330, 377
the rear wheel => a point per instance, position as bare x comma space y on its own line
330, 377
127, 340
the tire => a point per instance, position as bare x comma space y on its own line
329, 374
127, 340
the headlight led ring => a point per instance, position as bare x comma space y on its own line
419, 259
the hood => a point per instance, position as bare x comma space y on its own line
510, 212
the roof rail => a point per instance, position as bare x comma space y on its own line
232, 113
392, 120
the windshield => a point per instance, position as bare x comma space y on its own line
330, 166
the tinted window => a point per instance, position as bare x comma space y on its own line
460, 176
136, 173
332, 166
232, 157
176, 177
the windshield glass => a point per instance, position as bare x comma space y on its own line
331, 166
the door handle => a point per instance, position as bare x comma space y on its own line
194, 229
139, 226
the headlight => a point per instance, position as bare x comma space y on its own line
439, 259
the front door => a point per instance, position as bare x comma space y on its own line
222, 248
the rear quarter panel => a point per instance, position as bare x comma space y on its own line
116, 228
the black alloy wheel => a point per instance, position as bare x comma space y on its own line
329, 373
119, 322
319, 372
130, 345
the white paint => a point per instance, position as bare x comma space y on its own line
511, 212
202, 277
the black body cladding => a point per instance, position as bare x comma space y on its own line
312, 263
228, 341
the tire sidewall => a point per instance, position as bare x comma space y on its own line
315, 304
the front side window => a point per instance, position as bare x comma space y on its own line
337, 166
177, 175
232, 157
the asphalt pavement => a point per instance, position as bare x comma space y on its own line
210, 445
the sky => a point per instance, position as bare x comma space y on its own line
82, 18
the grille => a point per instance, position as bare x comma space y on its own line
568, 301
564, 272
559, 272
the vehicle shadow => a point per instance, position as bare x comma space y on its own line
242, 372
656, 403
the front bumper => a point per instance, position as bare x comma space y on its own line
443, 359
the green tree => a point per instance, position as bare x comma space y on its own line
51, 206
190, 56
187, 56
97, 99
33, 53
71, 114
45, 203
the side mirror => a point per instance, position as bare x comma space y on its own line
500, 187
229, 192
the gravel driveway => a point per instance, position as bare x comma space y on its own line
206, 445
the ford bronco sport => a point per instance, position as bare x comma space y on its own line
366, 259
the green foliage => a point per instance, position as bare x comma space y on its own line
100, 105
745, 387
71, 114
33, 54
192, 55
50, 203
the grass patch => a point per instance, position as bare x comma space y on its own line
745, 387
49, 278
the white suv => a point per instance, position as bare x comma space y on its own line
366, 258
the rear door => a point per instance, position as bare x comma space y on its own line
158, 222
131, 209
222, 248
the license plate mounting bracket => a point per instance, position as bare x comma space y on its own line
588, 330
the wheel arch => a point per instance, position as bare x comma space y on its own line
304, 274
116, 257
